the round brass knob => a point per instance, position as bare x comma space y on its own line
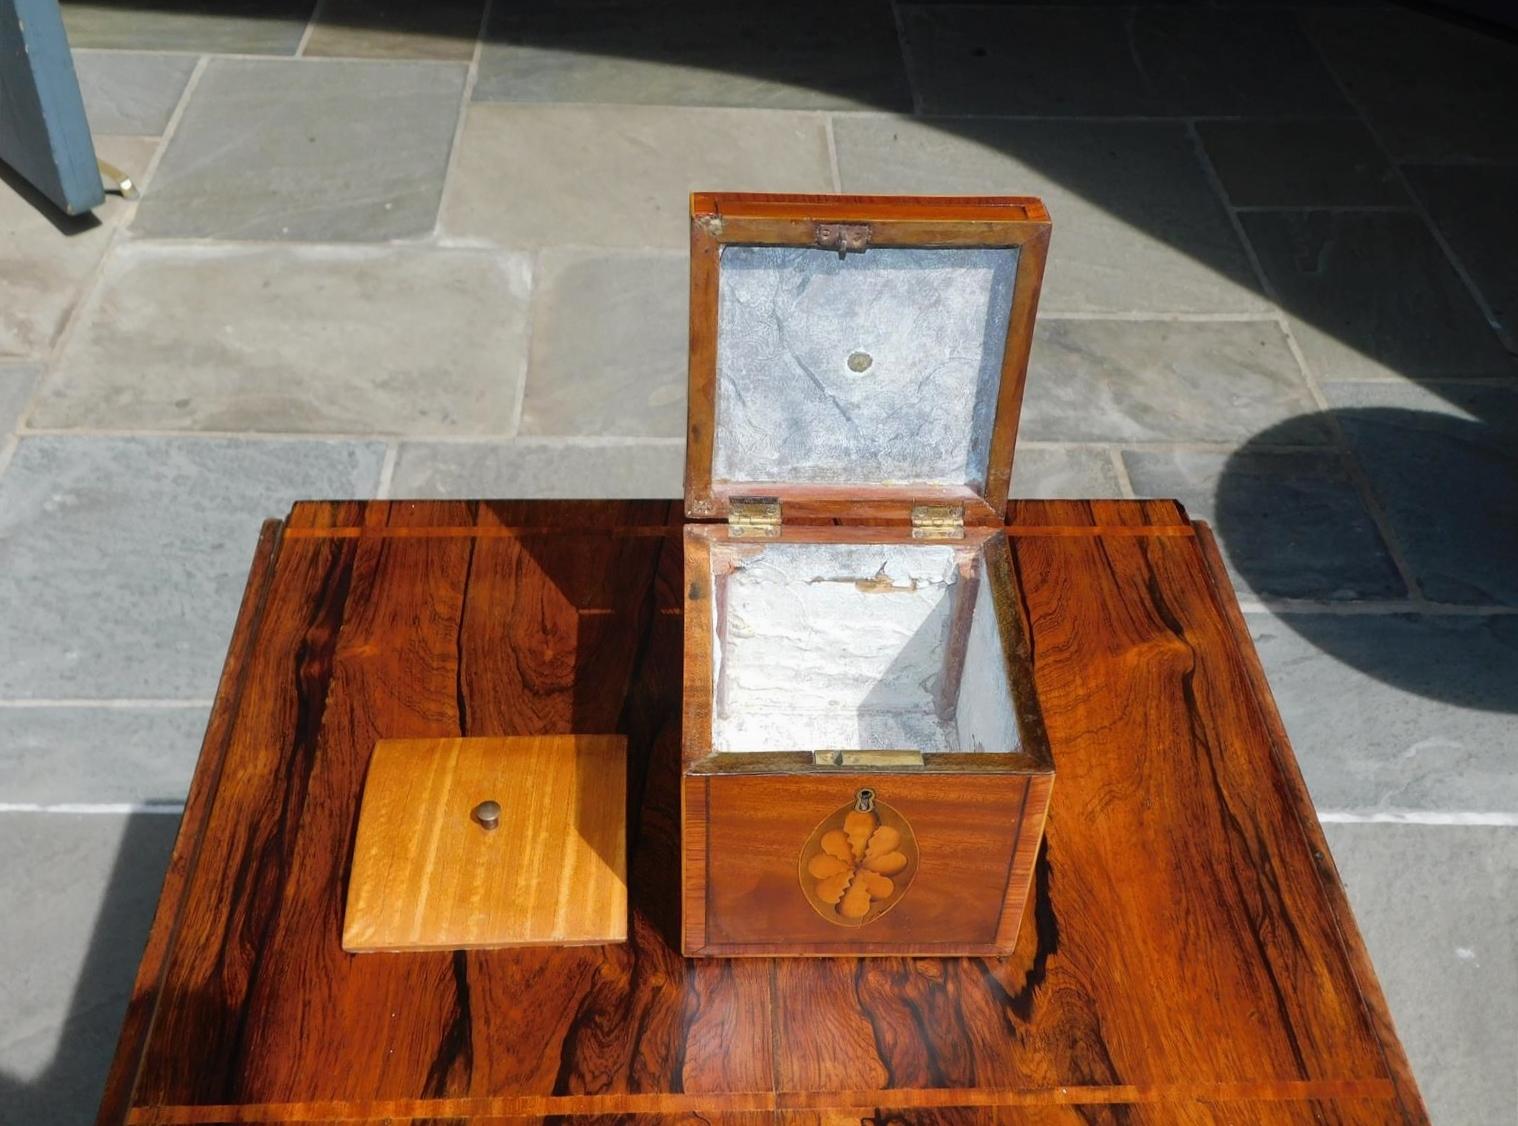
488, 814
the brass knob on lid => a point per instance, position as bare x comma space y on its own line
488, 814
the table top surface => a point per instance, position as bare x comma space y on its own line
1188, 953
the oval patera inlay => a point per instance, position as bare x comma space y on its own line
859, 862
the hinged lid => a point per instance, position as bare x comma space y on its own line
859, 348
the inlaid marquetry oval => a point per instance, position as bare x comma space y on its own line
859, 862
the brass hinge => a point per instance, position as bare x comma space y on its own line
938, 522
843, 237
753, 517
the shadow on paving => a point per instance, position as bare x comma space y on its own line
1448, 485
67, 1091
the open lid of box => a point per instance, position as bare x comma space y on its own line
849, 349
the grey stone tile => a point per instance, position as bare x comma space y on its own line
130, 155
1233, 63
1291, 525
980, 59
1052, 472
244, 27
79, 893
123, 560
1472, 205
554, 164
843, 55
1443, 463
131, 92
1300, 163
1432, 89
610, 343
1398, 714
1438, 906
297, 339
48, 261
395, 29
1371, 294
16, 384
339, 150
533, 468
1137, 227
1158, 381
50, 755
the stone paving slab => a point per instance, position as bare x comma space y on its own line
1064, 473
1290, 524
16, 384
1432, 89
297, 340
1144, 61
132, 92
1372, 295
1443, 463
531, 468
1300, 163
630, 469
53, 755
1438, 906
1472, 205
620, 175
1228, 63
1157, 381
132, 155
321, 150
47, 261
123, 560
610, 345
79, 893
1398, 714
395, 29
841, 55
1137, 227
245, 27
982, 59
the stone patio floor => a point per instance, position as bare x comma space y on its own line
439, 251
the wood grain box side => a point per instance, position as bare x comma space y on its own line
978, 816
974, 838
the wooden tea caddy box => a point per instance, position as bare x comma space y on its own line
864, 766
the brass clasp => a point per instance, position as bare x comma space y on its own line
843, 237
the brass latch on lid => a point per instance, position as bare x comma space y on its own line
938, 522
753, 517
888, 759
843, 237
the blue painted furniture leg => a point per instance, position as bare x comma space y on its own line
43, 132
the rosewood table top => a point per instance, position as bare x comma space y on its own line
1188, 956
